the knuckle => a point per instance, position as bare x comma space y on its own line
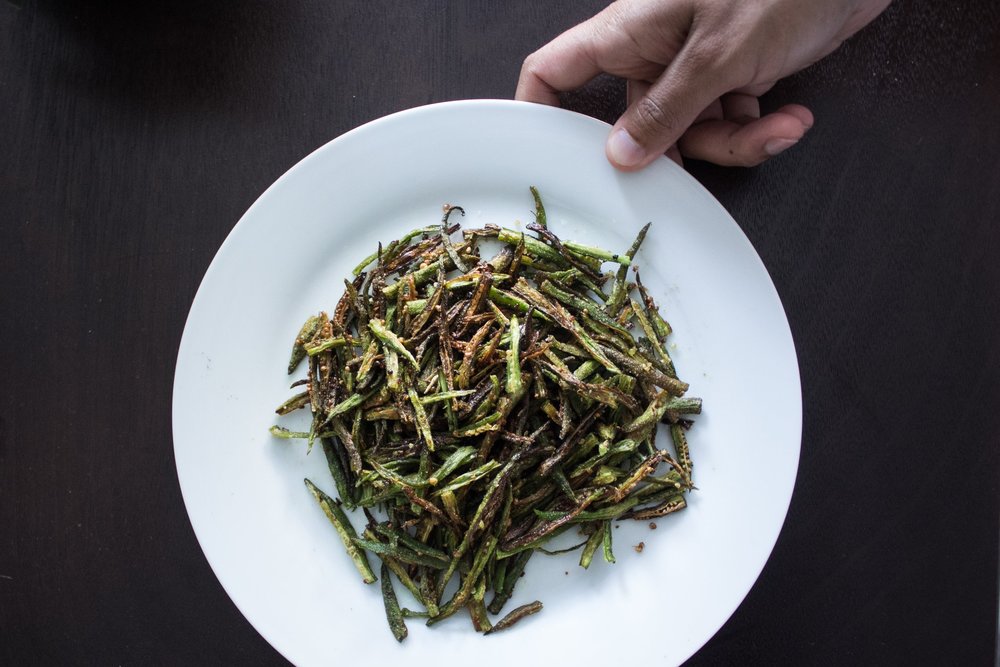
531, 64
652, 118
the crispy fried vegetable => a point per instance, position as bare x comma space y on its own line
481, 407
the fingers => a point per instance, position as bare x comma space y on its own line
561, 65
740, 140
608, 42
730, 132
656, 121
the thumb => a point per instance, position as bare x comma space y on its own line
657, 119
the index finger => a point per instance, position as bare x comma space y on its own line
605, 43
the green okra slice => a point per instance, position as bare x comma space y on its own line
423, 425
345, 530
294, 403
615, 511
450, 503
484, 425
651, 334
446, 242
337, 471
468, 478
609, 554
449, 406
477, 607
681, 447
514, 383
346, 405
595, 540
651, 415
312, 349
660, 325
393, 478
532, 247
597, 253
390, 341
516, 615
682, 405
540, 218
399, 553
668, 506
559, 477
619, 291
308, 330
393, 614
646, 371
455, 460
285, 434
445, 396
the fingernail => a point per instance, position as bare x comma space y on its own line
623, 149
775, 146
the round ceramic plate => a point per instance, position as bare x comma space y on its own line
264, 535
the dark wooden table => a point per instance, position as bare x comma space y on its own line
133, 135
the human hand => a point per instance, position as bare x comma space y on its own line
695, 69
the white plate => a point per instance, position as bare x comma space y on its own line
265, 537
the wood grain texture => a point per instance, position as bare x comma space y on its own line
134, 136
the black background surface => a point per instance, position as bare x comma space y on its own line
133, 136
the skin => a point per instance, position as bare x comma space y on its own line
695, 71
